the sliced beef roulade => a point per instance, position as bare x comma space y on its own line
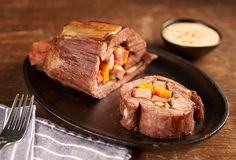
93, 57
159, 107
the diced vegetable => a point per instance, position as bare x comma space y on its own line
146, 85
157, 91
142, 93
112, 76
162, 92
118, 71
104, 68
112, 67
167, 105
121, 56
126, 57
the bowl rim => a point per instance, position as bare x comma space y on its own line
177, 20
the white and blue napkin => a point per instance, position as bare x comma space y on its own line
45, 140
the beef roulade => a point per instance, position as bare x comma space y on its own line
160, 107
93, 57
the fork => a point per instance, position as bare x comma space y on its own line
18, 120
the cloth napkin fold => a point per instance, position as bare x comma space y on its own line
45, 140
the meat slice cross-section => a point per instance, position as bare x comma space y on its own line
171, 114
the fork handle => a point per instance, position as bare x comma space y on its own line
3, 143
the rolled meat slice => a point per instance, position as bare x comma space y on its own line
160, 107
93, 57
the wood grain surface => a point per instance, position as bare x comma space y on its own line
23, 22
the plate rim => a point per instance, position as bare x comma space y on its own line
166, 55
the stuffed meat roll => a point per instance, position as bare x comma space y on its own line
160, 107
93, 57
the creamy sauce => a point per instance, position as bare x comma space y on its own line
191, 34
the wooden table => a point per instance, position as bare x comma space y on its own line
23, 22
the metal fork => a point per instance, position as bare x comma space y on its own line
18, 120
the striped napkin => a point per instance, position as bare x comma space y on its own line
45, 140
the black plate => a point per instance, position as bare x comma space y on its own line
101, 118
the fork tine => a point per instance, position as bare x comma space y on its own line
24, 111
18, 113
13, 105
12, 112
25, 100
28, 113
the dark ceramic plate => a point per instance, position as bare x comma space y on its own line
100, 118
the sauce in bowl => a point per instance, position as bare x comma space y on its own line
191, 34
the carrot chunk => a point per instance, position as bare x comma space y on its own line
104, 68
162, 92
146, 85
126, 57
